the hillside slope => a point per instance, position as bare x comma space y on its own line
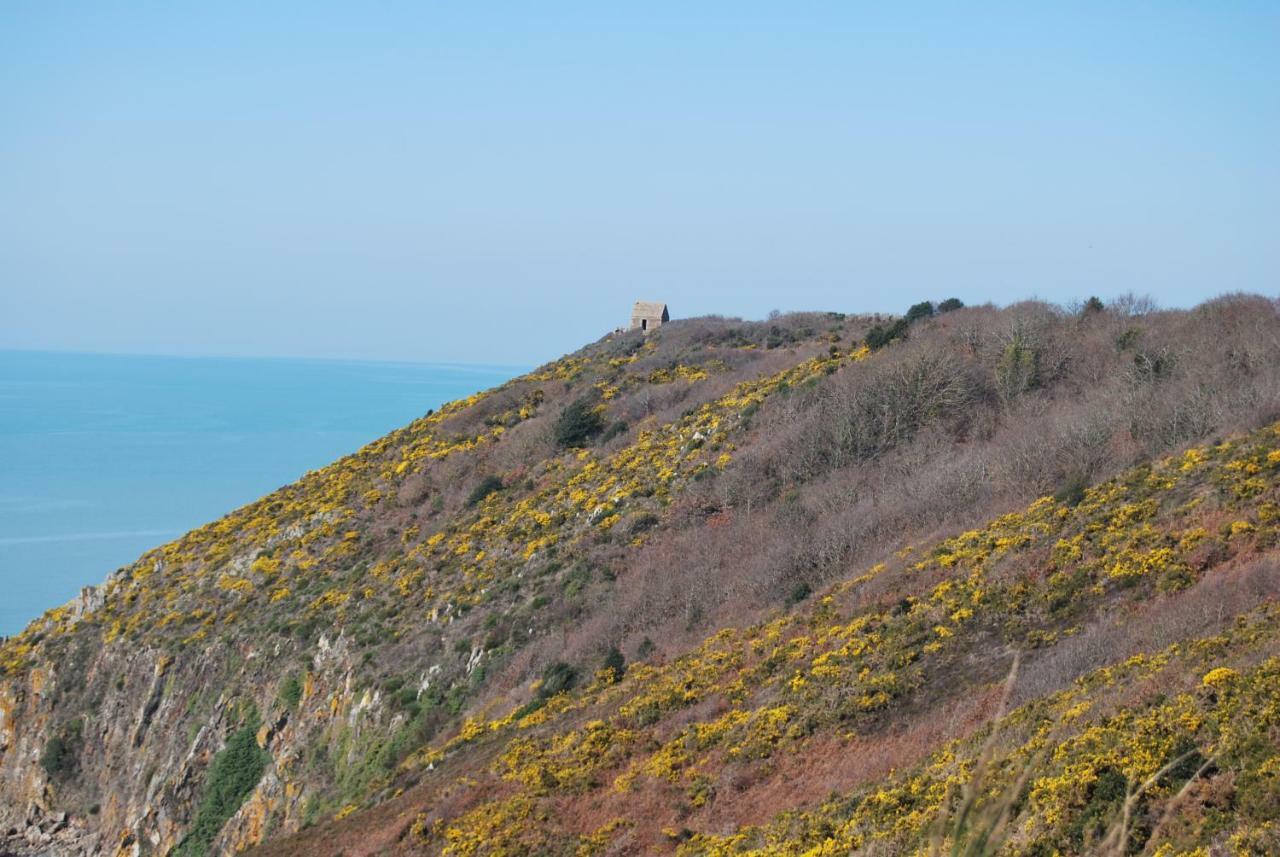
733, 587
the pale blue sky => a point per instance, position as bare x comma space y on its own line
497, 182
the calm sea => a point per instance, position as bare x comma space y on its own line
104, 456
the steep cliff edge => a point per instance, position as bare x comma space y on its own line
652, 593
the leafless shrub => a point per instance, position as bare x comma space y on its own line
1130, 304
916, 443
856, 420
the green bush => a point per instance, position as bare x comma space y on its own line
950, 305
57, 758
406, 698
615, 663
1072, 490
577, 424
779, 337
879, 336
1128, 338
235, 771
290, 693
1018, 369
496, 636
576, 580
557, 678
487, 486
1106, 796
61, 756
799, 593
642, 522
924, 309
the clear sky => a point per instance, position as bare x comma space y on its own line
496, 182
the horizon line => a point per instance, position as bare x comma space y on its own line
160, 355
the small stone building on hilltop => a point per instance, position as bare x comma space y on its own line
647, 315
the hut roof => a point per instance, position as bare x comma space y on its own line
649, 309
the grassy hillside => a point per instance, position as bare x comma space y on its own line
729, 588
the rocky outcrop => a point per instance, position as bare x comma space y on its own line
140, 766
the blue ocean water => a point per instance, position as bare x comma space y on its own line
105, 456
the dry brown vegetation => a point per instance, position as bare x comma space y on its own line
934, 439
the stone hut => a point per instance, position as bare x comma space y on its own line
647, 315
